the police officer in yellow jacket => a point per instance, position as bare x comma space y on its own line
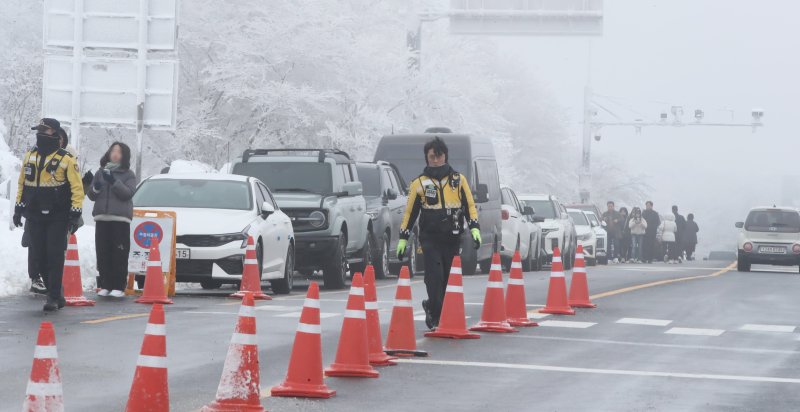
442, 199
50, 197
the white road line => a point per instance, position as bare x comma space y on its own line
537, 315
567, 324
703, 376
275, 308
695, 331
322, 315
643, 321
768, 328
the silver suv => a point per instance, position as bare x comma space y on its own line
320, 191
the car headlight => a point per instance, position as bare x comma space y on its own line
373, 214
585, 237
232, 237
316, 219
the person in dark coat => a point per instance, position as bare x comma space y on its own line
680, 221
625, 242
653, 222
614, 224
112, 191
690, 236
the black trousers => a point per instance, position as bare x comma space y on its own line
649, 247
49, 245
112, 244
438, 256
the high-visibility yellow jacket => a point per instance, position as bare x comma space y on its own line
50, 186
442, 206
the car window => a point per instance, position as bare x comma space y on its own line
260, 198
388, 180
782, 221
517, 204
593, 218
505, 197
347, 174
266, 195
579, 218
543, 208
396, 181
194, 193
290, 176
370, 177
486, 173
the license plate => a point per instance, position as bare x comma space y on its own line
183, 254
772, 250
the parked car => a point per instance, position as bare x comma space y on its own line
769, 235
215, 215
586, 207
320, 191
386, 196
473, 157
586, 236
602, 237
557, 228
521, 231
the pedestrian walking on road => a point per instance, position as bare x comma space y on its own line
638, 228
668, 237
625, 240
653, 223
614, 230
680, 222
50, 198
690, 236
442, 199
112, 189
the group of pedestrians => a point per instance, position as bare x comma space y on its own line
50, 199
643, 236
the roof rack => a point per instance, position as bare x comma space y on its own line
321, 155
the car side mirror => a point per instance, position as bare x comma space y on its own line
603, 224
353, 188
528, 211
391, 193
481, 193
267, 209
538, 219
739, 225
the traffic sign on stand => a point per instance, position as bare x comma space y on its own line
148, 225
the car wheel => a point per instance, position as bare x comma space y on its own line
260, 257
382, 257
413, 263
529, 263
366, 255
210, 284
591, 262
285, 285
742, 265
469, 256
334, 274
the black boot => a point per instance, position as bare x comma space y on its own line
54, 304
428, 316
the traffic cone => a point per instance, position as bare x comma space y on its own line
150, 391
453, 323
352, 356
251, 275
516, 306
304, 378
44, 392
557, 292
579, 286
73, 288
401, 339
154, 291
239, 388
377, 357
493, 317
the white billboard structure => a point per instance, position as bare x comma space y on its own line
111, 63
527, 17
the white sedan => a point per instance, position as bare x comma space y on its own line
586, 235
215, 215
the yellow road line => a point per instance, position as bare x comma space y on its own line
113, 318
660, 282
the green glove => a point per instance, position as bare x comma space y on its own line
476, 235
401, 248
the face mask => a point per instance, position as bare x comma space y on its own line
439, 172
46, 143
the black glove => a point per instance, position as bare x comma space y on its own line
75, 216
97, 184
18, 216
108, 176
87, 178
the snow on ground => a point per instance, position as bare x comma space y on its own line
190, 166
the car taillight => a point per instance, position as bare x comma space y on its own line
748, 247
504, 214
796, 249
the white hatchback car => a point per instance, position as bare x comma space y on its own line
520, 231
215, 215
586, 236
771, 236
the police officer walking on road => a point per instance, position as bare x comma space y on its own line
442, 199
50, 197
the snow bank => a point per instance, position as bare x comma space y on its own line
9, 164
190, 166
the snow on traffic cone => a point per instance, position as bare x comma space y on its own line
239, 387
352, 356
557, 292
579, 286
377, 357
401, 339
493, 317
154, 291
516, 306
150, 391
251, 275
73, 288
304, 378
453, 322
44, 392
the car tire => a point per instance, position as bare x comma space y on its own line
591, 262
140, 282
381, 254
469, 256
602, 260
413, 258
210, 284
284, 286
742, 265
335, 272
529, 263
366, 256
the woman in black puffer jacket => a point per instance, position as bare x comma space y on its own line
112, 190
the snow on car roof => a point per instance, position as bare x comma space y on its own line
202, 176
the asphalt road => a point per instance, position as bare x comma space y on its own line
699, 337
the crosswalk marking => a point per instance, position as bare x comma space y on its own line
322, 315
275, 308
768, 328
567, 324
537, 315
695, 331
642, 321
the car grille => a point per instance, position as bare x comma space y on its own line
199, 240
231, 266
300, 226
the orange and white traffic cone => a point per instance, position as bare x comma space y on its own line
239, 388
352, 356
154, 291
401, 339
516, 306
579, 286
150, 390
251, 275
73, 288
453, 322
557, 292
377, 357
304, 378
493, 317
44, 392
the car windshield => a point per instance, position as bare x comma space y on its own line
370, 177
194, 193
543, 208
310, 177
579, 218
783, 221
593, 219
410, 161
